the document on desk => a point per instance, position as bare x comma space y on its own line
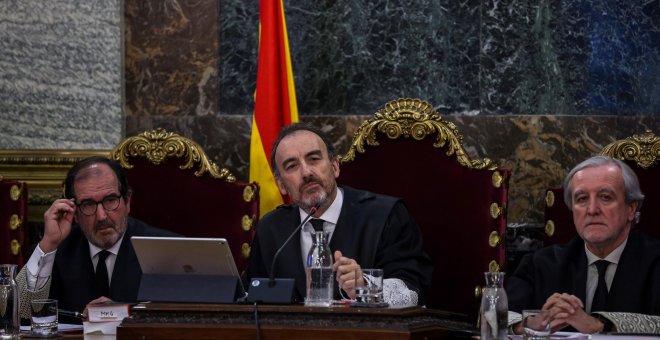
61, 327
559, 335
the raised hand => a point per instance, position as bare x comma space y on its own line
57, 224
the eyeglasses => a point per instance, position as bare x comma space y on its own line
109, 203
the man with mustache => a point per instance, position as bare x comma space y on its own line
608, 278
90, 222
366, 230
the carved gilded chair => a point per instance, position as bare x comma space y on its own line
13, 221
407, 150
642, 153
176, 187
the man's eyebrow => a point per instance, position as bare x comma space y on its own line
316, 152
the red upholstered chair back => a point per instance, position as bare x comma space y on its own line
407, 150
13, 221
642, 153
176, 187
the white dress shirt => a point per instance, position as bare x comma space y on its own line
395, 291
40, 264
592, 271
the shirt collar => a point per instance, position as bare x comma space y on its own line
612, 257
93, 250
332, 214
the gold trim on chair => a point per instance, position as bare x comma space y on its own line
15, 192
643, 148
417, 119
549, 228
159, 144
549, 198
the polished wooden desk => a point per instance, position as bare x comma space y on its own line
213, 321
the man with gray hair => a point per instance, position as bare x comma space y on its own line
608, 278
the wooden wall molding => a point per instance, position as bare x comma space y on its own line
44, 171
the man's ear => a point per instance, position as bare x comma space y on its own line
281, 186
127, 200
633, 211
335, 167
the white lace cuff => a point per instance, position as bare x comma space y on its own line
397, 294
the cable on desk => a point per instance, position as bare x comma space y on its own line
256, 319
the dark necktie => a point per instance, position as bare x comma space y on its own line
317, 223
600, 296
101, 281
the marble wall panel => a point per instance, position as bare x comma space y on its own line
474, 56
60, 74
171, 57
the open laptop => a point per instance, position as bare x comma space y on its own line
179, 269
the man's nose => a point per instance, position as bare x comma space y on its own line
100, 211
305, 169
593, 207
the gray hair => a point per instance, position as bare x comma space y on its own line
633, 193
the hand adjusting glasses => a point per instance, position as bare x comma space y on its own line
109, 203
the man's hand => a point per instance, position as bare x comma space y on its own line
345, 273
57, 224
566, 309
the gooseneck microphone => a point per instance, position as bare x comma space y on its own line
312, 211
272, 290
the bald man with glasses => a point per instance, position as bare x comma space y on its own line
85, 254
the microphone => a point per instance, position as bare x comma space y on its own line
312, 211
272, 290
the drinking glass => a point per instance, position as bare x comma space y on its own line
536, 324
44, 317
369, 285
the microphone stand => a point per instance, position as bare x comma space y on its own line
312, 211
278, 291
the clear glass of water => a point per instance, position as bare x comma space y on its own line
536, 324
44, 317
369, 285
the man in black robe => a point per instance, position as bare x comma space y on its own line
366, 230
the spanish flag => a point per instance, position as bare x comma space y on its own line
274, 99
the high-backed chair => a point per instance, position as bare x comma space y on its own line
642, 153
407, 150
176, 187
13, 221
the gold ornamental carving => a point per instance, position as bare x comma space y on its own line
15, 192
549, 228
497, 179
495, 210
413, 118
247, 222
245, 250
248, 193
15, 222
494, 239
478, 290
493, 266
15, 247
158, 145
549, 198
643, 148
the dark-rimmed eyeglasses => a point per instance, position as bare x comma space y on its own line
109, 203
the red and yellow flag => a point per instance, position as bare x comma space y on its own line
274, 99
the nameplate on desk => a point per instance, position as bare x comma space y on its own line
108, 311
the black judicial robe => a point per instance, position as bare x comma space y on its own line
563, 269
375, 230
73, 272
